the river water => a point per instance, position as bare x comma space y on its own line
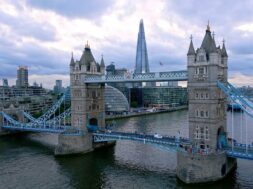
27, 164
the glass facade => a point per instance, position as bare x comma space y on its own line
164, 96
115, 101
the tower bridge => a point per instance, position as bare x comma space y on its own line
207, 155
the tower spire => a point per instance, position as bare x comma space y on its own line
87, 46
102, 63
223, 50
208, 27
191, 50
72, 62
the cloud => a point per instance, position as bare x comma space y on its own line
42, 34
76, 8
28, 27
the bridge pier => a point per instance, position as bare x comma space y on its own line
71, 144
197, 168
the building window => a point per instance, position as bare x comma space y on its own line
207, 114
201, 95
201, 113
76, 77
201, 58
197, 113
197, 134
94, 94
93, 106
201, 70
197, 95
207, 133
207, 96
202, 133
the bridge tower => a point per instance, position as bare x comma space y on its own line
205, 161
87, 103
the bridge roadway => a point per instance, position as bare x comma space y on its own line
169, 142
173, 144
242, 151
143, 77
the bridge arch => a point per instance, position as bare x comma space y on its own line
92, 124
93, 121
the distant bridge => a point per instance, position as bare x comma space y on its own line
143, 77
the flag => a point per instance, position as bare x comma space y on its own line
160, 63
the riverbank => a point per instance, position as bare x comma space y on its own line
137, 114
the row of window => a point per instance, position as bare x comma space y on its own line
201, 96
93, 94
77, 93
94, 107
201, 70
79, 122
92, 68
77, 77
202, 113
202, 133
91, 107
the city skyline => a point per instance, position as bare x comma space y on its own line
29, 38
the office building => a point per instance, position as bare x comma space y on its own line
22, 76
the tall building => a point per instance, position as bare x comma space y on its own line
141, 63
22, 76
5, 82
58, 86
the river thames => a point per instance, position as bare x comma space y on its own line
27, 164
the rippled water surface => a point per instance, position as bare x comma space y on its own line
26, 164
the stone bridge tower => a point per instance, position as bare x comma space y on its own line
207, 114
87, 104
87, 100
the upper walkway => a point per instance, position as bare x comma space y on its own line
143, 77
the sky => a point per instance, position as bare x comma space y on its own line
41, 34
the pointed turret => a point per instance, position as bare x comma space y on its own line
102, 63
223, 50
191, 50
72, 62
87, 56
208, 42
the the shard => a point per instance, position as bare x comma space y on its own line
141, 63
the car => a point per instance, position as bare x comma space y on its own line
158, 136
109, 131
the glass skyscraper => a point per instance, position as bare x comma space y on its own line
141, 63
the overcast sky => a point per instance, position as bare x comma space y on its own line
42, 34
